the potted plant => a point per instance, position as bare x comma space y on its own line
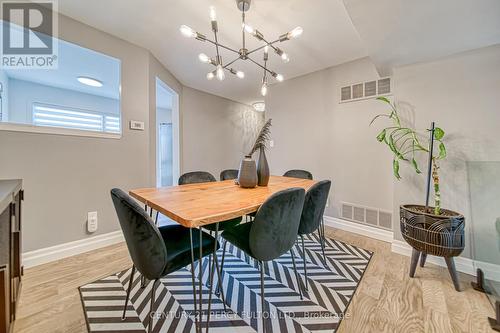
429, 230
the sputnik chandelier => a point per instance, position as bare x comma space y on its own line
243, 53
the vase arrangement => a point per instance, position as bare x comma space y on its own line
251, 174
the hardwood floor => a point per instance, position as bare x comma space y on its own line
387, 300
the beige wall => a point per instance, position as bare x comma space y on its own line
216, 132
312, 131
461, 94
67, 176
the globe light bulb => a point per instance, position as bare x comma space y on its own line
263, 89
213, 14
266, 49
280, 78
210, 76
187, 31
204, 58
295, 33
285, 57
240, 74
220, 73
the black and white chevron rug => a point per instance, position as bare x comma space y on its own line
323, 307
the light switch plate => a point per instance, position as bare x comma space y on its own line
137, 125
92, 221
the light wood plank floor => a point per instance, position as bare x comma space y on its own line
387, 300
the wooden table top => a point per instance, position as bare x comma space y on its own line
194, 205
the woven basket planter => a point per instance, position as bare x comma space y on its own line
438, 235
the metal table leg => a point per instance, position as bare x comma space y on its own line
195, 304
211, 276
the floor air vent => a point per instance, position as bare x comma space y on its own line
370, 216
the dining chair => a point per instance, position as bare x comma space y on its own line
229, 174
296, 173
157, 252
312, 217
206, 177
272, 234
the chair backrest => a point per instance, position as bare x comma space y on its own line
314, 207
274, 230
144, 242
229, 174
196, 177
298, 174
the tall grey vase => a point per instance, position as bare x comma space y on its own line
262, 169
247, 175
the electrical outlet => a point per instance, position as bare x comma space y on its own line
328, 202
271, 143
92, 221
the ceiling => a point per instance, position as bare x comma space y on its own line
390, 32
74, 61
329, 37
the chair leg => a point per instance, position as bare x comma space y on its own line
143, 282
153, 289
262, 297
423, 257
299, 284
156, 218
323, 239
210, 264
128, 292
217, 290
453, 272
414, 261
305, 263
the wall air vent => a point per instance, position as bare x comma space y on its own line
366, 215
366, 90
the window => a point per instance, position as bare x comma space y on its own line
59, 116
80, 96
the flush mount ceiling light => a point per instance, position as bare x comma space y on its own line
259, 106
89, 81
243, 53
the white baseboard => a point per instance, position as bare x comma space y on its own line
45, 255
360, 229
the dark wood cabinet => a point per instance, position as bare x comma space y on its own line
11, 270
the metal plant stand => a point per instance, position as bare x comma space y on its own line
438, 235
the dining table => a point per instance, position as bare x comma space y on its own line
200, 204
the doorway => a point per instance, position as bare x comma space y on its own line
167, 135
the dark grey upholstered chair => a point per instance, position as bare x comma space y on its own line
156, 252
272, 234
298, 174
196, 177
311, 219
229, 174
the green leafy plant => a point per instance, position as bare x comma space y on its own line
262, 138
405, 142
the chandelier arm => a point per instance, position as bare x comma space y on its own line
231, 62
264, 68
263, 46
223, 46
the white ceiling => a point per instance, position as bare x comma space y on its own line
329, 37
391, 32
397, 32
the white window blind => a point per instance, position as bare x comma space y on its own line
58, 116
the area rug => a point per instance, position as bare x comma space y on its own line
330, 291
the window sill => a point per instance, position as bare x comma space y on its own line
11, 127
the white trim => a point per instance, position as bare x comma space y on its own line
48, 254
360, 229
56, 130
